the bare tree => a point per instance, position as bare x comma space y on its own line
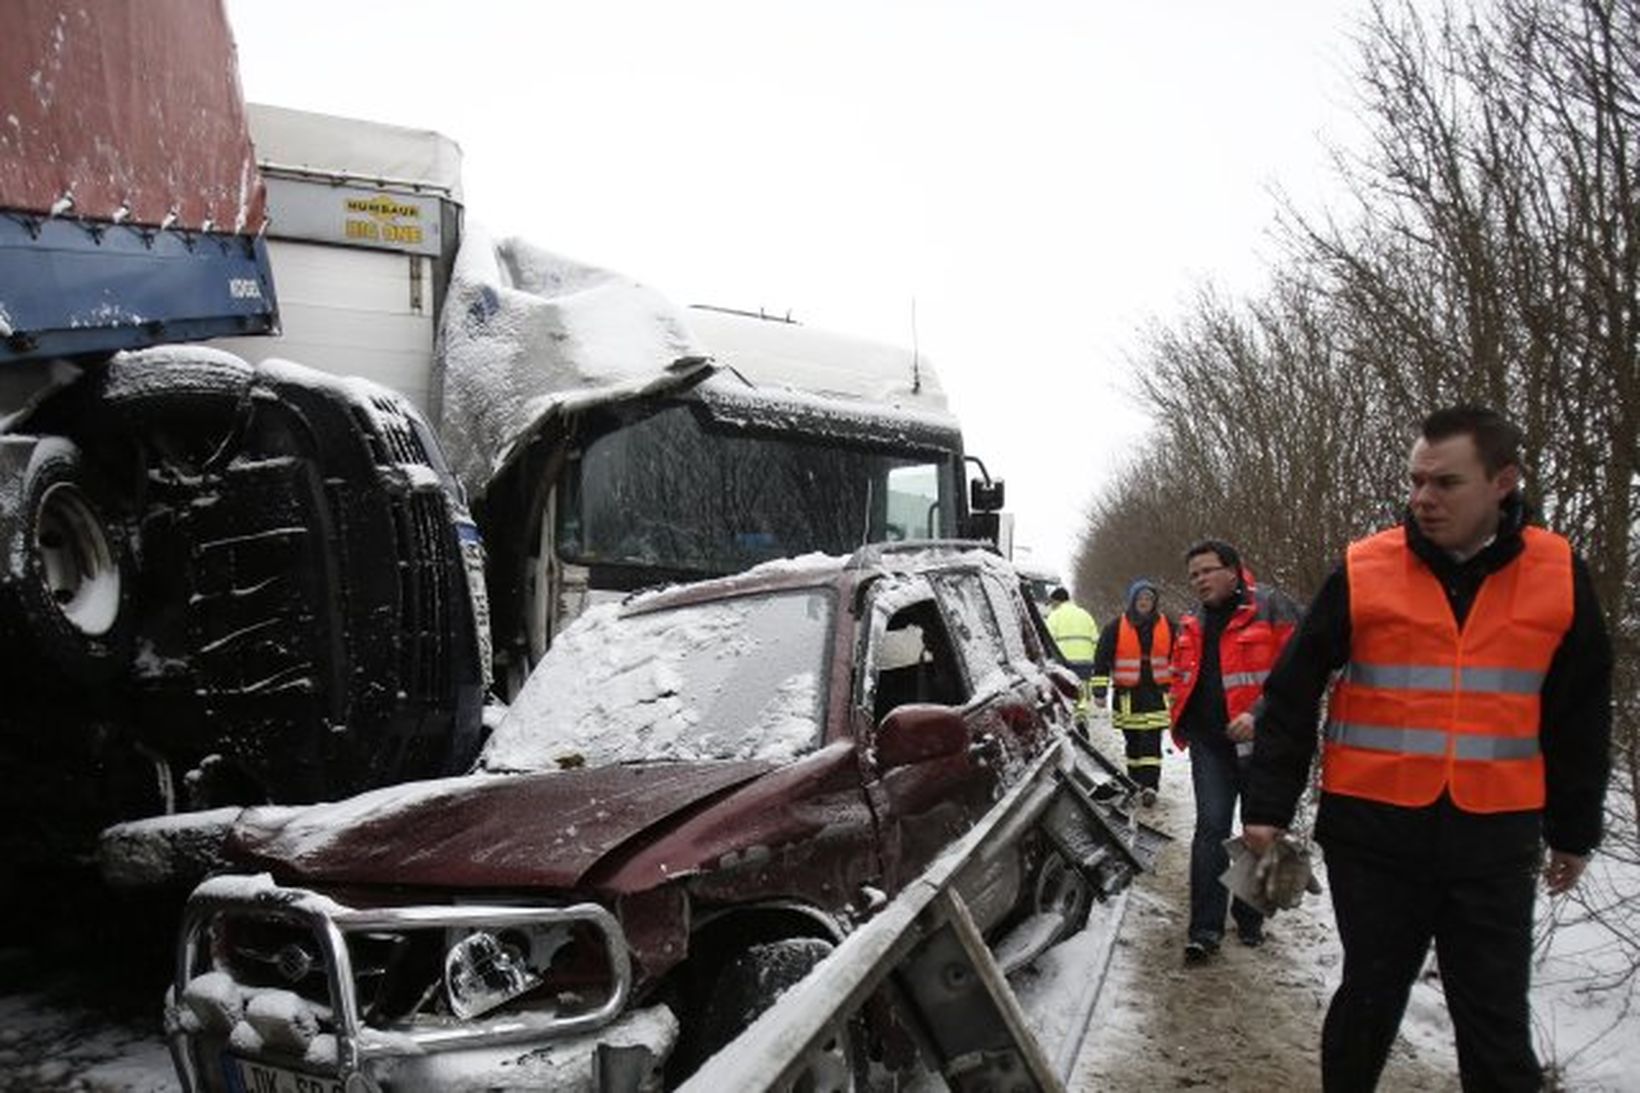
1489, 251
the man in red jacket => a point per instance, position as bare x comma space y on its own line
1470, 726
1222, 653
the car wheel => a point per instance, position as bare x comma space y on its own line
65, 592
1063, 890
751, 982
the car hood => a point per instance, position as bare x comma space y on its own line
482, 830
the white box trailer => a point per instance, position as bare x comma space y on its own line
363, 224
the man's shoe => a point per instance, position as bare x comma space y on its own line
1148, 798
1199, 952
1251, 938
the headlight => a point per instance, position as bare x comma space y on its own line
481, 973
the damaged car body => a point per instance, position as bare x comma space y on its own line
696, 796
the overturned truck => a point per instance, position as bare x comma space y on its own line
220, 583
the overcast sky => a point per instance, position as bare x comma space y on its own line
1034, 181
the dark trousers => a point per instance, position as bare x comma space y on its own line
1482, 930
1141, 715
1218, 776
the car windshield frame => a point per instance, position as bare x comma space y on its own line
677, 683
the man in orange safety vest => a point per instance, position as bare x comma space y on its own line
1469, 725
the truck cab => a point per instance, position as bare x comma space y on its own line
798, 441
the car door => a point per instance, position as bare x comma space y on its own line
908, 662
1028, 655
1003, 706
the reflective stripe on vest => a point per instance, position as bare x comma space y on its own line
1430, 742
1418, 677
1130, 656
1424, 707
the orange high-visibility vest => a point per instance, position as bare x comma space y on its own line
1129, 657
1423, 706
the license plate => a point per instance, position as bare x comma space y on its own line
245, 1076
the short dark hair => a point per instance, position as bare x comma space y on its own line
1222, 550
1497, 439
1059, 595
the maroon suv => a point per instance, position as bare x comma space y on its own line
697, 794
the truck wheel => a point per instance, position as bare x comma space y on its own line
194, 405
753, 981
65, 590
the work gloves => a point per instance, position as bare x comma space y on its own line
1274, 882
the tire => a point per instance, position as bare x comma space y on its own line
65, 594
751, 982
194, 405
202, 378
1061, 888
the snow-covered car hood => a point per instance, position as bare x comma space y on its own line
544, 830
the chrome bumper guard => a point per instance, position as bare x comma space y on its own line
330, 922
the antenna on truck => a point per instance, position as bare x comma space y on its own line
916, 362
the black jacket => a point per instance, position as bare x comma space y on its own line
1575, 734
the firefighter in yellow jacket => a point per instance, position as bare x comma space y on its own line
1076, 634
1135, 650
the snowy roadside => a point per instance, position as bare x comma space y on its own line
1251, 1020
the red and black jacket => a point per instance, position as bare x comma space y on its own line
1251, 641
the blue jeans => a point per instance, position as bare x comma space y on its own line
1218, 776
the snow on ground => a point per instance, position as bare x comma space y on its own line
46, 1044
1251, 1020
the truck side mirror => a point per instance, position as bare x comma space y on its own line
982, 527
985, 494
917, 733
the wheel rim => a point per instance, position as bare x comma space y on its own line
1061, 890
77, 561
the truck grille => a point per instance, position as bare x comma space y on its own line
275, 955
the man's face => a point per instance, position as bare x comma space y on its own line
1211, 580
1454, 500
1144, 602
